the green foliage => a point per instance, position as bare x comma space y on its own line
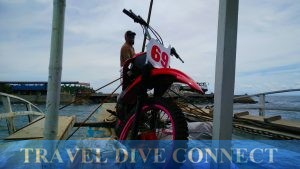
5, 88
76, 89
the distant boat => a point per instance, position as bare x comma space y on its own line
203, 86
185, 87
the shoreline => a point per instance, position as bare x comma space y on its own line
66, 98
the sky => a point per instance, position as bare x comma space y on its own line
268, 43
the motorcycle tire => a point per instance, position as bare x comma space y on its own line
160, 119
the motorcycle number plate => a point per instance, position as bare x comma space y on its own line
158, 55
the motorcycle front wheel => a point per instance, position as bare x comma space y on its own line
159, 119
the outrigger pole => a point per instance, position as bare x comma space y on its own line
55, 68
148, 21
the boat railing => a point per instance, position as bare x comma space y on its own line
262, 101
9, 114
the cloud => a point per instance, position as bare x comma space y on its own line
267, 52
267, 34
295, 67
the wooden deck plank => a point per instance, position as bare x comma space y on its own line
272, 118
288, 124
102, 115
295, 136
35, 129
244, 113
253, 118
293, 126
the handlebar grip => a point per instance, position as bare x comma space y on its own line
136, 18
130, 14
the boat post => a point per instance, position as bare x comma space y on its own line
55, 69
225, 69
225, 76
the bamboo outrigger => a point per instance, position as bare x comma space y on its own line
36, 118
272, 127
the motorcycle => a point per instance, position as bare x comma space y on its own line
143, 115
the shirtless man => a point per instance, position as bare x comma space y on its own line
127, 50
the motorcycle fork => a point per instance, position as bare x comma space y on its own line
137, 121
141, 99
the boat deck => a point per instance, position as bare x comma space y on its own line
34, 130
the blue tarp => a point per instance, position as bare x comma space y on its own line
151, 154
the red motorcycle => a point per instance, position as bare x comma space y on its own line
143, 113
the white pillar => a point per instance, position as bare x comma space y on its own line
225, 69
55, 68
224, 78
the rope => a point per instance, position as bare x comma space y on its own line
93, 112
187, 100
77, 99
108, 84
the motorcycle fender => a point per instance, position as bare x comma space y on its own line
129, 94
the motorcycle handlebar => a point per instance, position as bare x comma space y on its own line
136, 18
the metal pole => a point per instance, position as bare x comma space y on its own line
262, 101
55, 68
148, 21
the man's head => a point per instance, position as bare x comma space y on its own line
129, 37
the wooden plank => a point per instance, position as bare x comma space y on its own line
209, 112
268, 130
291, 126
197, 111
35, 130
288, 124
102, 115
63, 133
252, 118
237, 115
272, 118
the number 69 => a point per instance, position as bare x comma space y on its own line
160, 57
